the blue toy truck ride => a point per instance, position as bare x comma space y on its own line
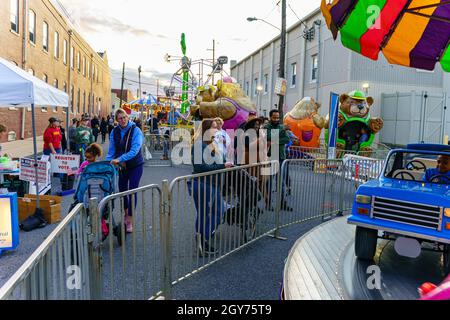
408, 204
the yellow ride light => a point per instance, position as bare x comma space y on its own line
363, 199
447, 212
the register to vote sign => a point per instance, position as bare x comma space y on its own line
67, 164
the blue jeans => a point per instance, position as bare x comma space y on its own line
129, 179
209, 205
48, 152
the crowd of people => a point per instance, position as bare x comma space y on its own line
252, 145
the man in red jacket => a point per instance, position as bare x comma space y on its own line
53, 138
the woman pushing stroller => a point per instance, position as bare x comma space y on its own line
125, 149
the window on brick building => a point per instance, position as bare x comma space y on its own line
56, 45
78, 101
84, 101
32, 26
72, 57
45, 36
65, 52
14, 15
72, 97
56, 85
84, 66
45, 79
79, 61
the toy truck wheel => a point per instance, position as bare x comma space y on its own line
446, 260
365, 243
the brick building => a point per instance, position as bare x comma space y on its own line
53, 51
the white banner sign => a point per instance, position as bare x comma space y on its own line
27, 172
67, 164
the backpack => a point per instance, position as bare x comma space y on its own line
36, 221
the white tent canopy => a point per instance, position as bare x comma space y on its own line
19, 88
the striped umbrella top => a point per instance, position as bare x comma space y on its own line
147, 101
412, 33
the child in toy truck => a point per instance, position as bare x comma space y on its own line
440, 174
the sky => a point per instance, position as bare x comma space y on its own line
142, 32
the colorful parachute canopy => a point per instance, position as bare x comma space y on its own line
412, 33
147, 101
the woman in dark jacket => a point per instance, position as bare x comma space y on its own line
95, 126
206, 191
103, 129
125, 149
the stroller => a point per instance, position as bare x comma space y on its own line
99, 180
243, 208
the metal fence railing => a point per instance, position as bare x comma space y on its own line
60, 268
217, 213
129, 265
182, 228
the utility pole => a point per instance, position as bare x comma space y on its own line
282, 54
157, 88
140, 88
213, 59
121, 88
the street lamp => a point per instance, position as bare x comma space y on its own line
366, 87
251, 19
259, 90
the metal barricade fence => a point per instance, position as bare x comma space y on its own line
157, 150
310, 190
375, 154
358, 171
183, 228
217, 213
129, 265
306, 153
60, 268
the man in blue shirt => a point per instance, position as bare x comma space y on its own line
442, 172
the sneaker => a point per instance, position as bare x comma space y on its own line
128, 225
105, 230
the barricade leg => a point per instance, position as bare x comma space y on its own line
166, 239
95, 255
279, 178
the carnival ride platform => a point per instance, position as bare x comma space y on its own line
322, 266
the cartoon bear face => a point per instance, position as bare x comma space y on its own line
355, 107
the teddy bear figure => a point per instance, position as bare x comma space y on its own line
306, 123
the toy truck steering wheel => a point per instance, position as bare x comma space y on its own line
439, 178
412, 165
402, 175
